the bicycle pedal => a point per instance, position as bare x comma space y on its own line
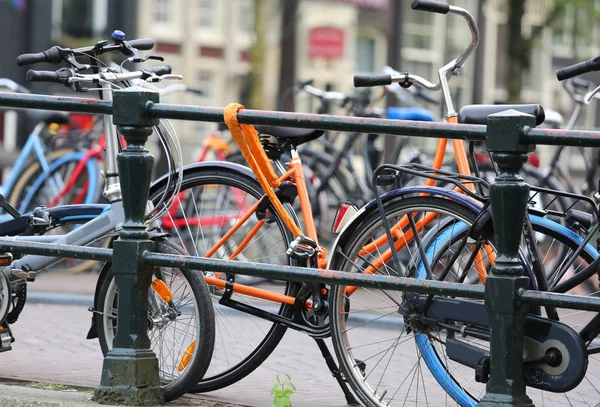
302, 248
5, 339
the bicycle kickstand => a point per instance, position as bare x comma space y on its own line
335, 371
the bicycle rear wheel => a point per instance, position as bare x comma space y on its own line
212, 200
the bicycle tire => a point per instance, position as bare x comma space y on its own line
202, 187
24, 199
426, 350
61, 162
200, 344
27, 176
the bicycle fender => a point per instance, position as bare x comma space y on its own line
162, 181
358, 217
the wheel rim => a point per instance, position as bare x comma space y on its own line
403, 368
171, 330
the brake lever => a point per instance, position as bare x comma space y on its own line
590, 95
155, 78
75, 64
139, 60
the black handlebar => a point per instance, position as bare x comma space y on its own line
579, 69
56, 55
430, 5
52, 55
159, 70
142, 44
365, 81
61, 76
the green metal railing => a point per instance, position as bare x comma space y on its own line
509, 136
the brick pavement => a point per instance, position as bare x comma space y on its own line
51, 346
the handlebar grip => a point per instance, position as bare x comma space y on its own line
142, 44
578, 69
51, 55
365, 81
160, 70
41, 76
195, 91
302, 84
430, 5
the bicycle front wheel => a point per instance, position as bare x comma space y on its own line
181, 330
377, 346
408, 362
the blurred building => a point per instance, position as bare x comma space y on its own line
209, 42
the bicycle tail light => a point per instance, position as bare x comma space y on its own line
344, 213
162, 290
187, 356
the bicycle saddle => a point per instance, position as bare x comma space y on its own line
290, 135
49, 116
477, 114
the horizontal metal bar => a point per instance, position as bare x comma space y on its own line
315, 275
63, 103
323, 122
579, 302
558, 137
304, 120
55, 250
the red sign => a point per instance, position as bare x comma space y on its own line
326, 42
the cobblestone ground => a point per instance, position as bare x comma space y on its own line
51, 346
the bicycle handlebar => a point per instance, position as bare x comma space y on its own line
430, 5
56, 54
446, 72
578, 69
365, 81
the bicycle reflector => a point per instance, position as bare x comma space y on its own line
187, 356
6, 259
344, 213
162, 290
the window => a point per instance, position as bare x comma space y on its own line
162, 11
207, 14
365, 54
80, 18
247, 15
418, 28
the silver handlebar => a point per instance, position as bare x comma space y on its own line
451, 69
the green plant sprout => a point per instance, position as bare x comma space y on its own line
282, 392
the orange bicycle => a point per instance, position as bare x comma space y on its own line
253, 220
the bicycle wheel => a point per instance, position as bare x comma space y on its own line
25, 180
36, 187
374, 368
181, 331
212, 200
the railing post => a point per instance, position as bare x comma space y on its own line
509, 196
130, 373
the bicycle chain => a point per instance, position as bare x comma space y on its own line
20, 295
